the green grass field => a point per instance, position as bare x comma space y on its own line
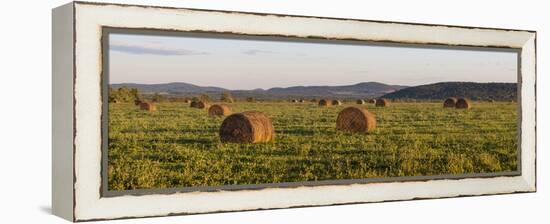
178, 146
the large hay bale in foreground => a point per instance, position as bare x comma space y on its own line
360, 102
324, 103
463, 103
449, 102
382, 102
247, 127
336, 103
355, 119
219, 110
151, 107
373, 101
199, 104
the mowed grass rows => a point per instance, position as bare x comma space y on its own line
179, 146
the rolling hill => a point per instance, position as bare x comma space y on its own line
359, 90
436, 91
472, 90
174, 88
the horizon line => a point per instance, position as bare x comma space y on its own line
208, 86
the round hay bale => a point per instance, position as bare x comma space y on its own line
463, 103
301, 100
360, 102
382, 102
219, 110
186, 101
324, 103
247, 127
151, 107
373, 101
336, 103
356, 120
199, 104
294, 101
449, 103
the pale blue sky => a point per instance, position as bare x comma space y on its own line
250, 64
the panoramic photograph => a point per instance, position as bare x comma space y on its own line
188, 111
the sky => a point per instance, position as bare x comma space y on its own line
250, 64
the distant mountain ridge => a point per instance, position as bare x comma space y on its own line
173, 87
472, 90
359, 90
363, 87
435, 91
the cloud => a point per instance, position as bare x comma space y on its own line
152, 49
255, 52
361, 71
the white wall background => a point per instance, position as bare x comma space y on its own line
25, 119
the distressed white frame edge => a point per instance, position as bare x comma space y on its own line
89, 20
62, 111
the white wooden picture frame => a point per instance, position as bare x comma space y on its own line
77, 110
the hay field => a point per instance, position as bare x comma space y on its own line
178, 146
